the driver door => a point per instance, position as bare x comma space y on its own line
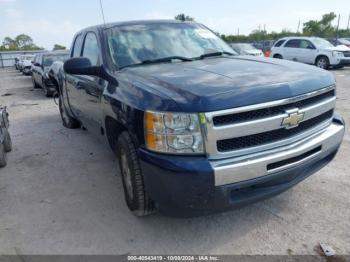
307, 52
291, 50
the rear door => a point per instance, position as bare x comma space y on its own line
40, 71
291, 50
91, 86
73, 81
35, 68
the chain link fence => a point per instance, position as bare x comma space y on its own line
7, 58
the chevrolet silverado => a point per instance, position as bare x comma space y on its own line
197, 128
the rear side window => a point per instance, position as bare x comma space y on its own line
91, 50
279, 43
77, 46
293, 43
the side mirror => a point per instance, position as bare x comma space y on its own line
310, 47
37, 64
81, 66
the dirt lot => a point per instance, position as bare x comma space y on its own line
61, 193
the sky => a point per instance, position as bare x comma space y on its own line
51, 22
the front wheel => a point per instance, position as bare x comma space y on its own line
35, 85
67, 120
322, 62
136, 197
48, 91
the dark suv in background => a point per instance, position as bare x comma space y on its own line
41, 67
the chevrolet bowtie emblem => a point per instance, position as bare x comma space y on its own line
293, 119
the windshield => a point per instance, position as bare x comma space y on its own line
245, 46
321, 43
50, 59
133, 44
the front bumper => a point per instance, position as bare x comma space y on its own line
344, 62
192, 186
27, 70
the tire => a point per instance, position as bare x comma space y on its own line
35, 85
47, 91
136, 197
278, 56
3, 157
7, 142
67, 120
322, 62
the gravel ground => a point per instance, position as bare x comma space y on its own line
61, 193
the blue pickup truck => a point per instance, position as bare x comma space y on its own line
197, 128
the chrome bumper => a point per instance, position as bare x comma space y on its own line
233, 170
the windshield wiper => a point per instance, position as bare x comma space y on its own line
160, 60
218, 53
166, 59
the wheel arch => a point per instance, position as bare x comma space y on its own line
321, 55
113, 129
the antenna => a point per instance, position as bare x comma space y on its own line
103, 15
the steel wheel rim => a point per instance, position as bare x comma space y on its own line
126, 173
321, 63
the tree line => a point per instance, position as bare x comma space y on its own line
320, 28
23, 42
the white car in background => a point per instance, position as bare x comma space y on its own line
311, 50
27, 64
246, 49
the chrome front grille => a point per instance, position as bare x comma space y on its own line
347, 53
251, 129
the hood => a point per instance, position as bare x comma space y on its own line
228, 82
253, 52
340, 48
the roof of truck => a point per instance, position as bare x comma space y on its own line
137, 22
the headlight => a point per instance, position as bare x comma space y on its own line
173, 133
336, 53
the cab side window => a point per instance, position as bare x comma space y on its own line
90, 49
77, 46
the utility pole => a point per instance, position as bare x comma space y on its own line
238, 31
347, 28
338, 27
298, 27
